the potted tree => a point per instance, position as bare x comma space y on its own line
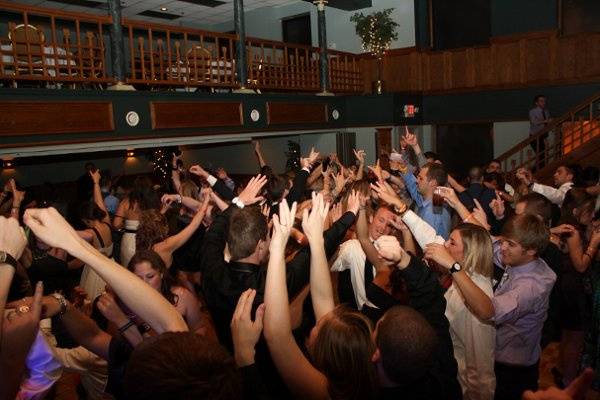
377, 31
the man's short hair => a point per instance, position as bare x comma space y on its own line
430, 154
537, 97
538, 204
246, 227
476, 174
575, 170
181, 366
528, 230
438, 172
276, 187
407, 343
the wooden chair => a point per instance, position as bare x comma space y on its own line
198, 60
28, 49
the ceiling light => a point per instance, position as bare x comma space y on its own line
163, 9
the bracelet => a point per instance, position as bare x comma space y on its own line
179, 199
126, 326
238, 202
62, 302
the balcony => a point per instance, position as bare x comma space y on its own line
46, 47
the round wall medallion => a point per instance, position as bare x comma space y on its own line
254, 115
132, 118
335, 114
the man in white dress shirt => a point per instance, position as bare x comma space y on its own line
351, 259
563, 180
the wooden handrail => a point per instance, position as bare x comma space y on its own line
552, 126
105, 19
174, 28
269, 42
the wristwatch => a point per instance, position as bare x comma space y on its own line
6, 258
455, 268
62, 302
401, 210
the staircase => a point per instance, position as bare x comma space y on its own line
573, 138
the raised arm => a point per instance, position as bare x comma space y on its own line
98, 199
581, 259
297, 372
412, 141
150, 305
479, 303
360, 157
174, 242
259, 155
321, 290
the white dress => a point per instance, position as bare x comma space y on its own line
128, 241
474, 343
91, 282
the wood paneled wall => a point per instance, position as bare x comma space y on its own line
535, 58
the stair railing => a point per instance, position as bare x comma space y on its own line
561, 136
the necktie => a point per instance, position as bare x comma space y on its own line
503, 279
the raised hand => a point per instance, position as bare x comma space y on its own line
354, 202
50, 227
377, 170
256, 145
245, 332
308, 161
389, 249
440, 254
12, 237
95, 175
250, 194
340, 181
282, 226
18, 195
563, 229
198, 170
221, 173
387, 194
336, 212
410, 138
480, 215
313, 223
397, 223
360, 156
168, 199
449, 196
497, 206
524, 176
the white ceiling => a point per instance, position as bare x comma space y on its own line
191, 14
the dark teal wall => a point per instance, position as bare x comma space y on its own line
510, 17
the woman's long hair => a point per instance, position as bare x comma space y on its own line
157, 264
153, 229
143, 194
477, 249
342, 351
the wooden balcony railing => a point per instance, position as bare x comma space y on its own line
564, 135
282, 66
175, 56
534, 58
345, 75
52, 45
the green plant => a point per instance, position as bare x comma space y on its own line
376, 30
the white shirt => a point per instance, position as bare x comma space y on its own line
556, 196
351, 256
423, 232
474, 342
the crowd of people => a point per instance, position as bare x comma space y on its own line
388, 281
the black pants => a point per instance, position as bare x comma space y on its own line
512, 381
540, 150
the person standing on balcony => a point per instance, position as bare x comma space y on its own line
539, 118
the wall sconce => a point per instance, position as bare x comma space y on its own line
130, 153
8, 164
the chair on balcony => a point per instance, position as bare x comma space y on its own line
197, 60
27, 44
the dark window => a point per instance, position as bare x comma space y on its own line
580, 16
297, 30
460, 23
462, 146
